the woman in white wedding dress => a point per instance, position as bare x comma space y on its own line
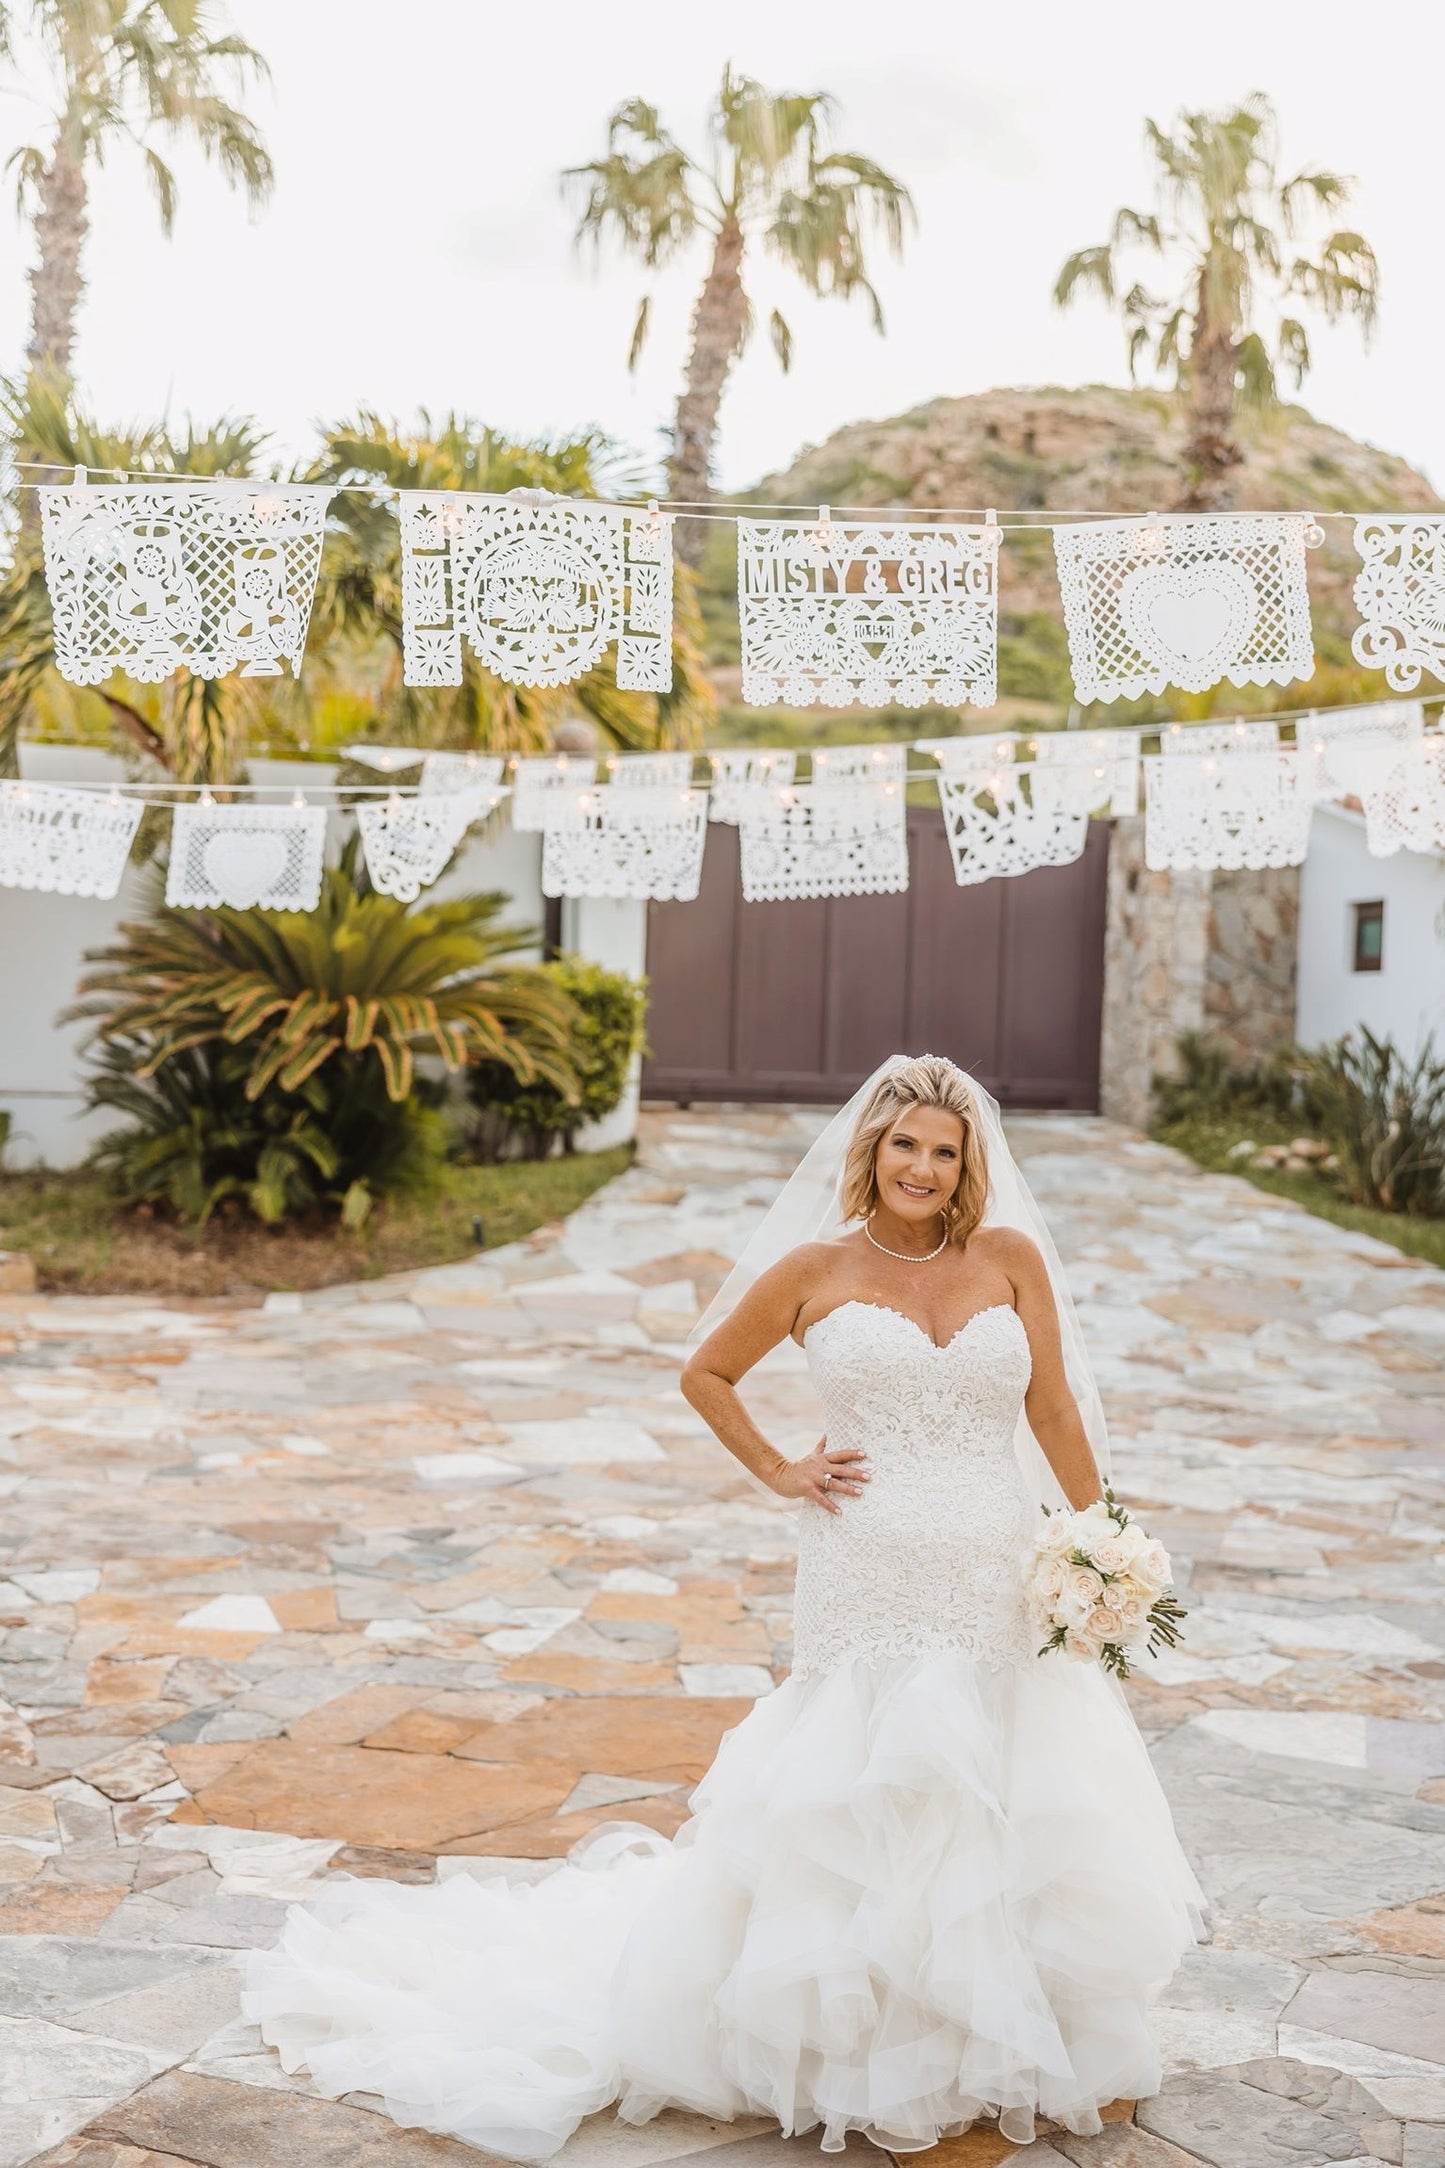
932, 1877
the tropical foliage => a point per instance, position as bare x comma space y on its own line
358, 607
272, 1055
192, 726
1207, 1082
1384, 1115
609, 1010
120, 71
192, 1136
766, 178
1380, 1112
200, 730
1229, 240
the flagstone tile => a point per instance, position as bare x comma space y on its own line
217, 2121
423, 1731
590, 1675
308, 1610
1404, 2013
417, 1802
46, 1907
118, 1680
662, 1738
1268, 2110
1416, 1930
351, 1716
107, 2153
552, 1836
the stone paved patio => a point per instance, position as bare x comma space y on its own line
408, 1578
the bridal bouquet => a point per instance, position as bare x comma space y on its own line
1100, 1587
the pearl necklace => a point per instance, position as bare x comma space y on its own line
906, 1257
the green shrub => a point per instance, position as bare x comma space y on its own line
1209, 1085
1385, 1118
194, 1138
609, 1009
270, 1057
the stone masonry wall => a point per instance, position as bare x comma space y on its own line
1207, 952
1252, 963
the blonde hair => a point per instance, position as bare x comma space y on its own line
924, 1081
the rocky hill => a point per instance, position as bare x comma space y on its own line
1101, 449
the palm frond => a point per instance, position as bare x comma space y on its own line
1222, 223
639, 333
1087, 268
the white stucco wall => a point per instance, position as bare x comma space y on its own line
614, 934
1405, 999
43, 940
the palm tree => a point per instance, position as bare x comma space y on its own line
358, 602
766, 176
122, 70
1230, 236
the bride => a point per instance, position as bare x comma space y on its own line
932, 1877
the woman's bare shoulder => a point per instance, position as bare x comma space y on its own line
1009, 1247
814, 1261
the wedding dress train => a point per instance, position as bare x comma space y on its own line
932, 1876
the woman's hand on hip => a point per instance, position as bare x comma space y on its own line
824, 1477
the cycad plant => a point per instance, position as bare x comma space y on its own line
768, 179
1232, 240
190, 1138
358, 604
276, 1029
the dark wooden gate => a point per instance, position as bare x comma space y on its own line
801, 1000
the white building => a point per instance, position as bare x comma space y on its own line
1371, 938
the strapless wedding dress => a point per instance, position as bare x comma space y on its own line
931, 1877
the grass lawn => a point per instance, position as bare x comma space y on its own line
1207, 1140
83, 1244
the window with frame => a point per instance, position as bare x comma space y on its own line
1369, 945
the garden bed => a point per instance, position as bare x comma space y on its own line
83, 1244
1210, 1139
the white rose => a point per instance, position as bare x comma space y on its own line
1056, 1536
1152, 1566
1116, 1595
1081, 1648
1102, 1624
1048, 1582
1084, 1585
1109, 1555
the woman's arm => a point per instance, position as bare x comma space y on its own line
765, 1316
1050, 1405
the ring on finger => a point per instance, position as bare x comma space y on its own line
827, 1478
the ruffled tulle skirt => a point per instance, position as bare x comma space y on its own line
912, 1893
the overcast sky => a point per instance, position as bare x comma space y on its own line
417, 250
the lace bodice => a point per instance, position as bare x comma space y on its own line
930, 1555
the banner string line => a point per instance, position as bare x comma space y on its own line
163, 792
1018, 518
